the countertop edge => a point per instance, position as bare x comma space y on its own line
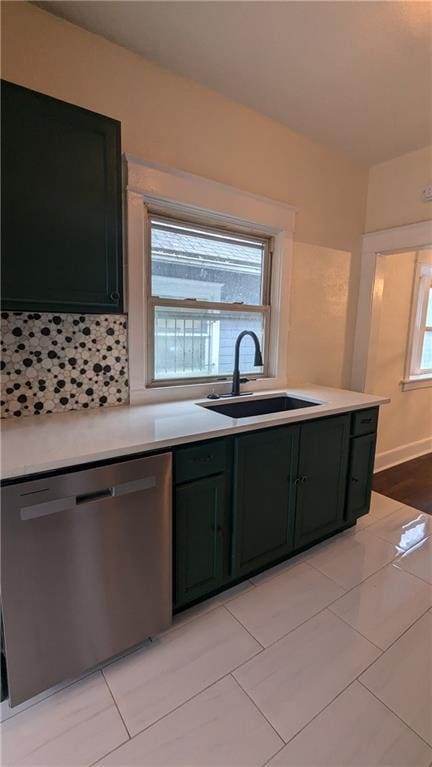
30, 469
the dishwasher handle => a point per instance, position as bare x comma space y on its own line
70, 502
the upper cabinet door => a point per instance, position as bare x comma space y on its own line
61, 206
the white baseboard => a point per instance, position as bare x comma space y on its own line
403, 453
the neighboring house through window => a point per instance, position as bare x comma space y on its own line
206, 285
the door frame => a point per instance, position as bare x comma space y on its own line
375, 246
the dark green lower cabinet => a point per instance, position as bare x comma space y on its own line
321, 481
246, 502
199, 524
263, 514
360, 473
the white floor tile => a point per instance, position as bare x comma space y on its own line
402, 677
220, 727
6, 712
380, 507
152, 682
297, 677
385, 605
351, 559
404, 528
72, 728
356, 730
210, 604
277, 606
282, 567
418, 560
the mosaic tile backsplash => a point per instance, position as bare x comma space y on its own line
57, 362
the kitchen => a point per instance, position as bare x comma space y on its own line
163, 470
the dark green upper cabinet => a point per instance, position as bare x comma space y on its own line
321, 480
264, 469
61, 206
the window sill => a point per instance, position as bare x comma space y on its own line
418, 382
140, 395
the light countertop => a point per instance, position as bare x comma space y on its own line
35, 444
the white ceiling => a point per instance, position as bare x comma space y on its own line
355, 75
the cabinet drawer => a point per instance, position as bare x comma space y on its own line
364, 421
200, 460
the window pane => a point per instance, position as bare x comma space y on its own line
193, 343
429, 309
188, 262
426, 359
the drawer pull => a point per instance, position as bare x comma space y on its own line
203, 459
366, 420
354, 479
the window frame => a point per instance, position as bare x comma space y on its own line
153, 301
184, 194
415, 375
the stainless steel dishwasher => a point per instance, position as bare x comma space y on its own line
86, 569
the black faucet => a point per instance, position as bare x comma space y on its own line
257, 361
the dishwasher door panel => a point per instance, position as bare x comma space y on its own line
86, 569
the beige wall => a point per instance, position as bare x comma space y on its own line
318, 327
408, 418
394, 192
168, 119
171, 120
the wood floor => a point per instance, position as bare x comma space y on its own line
409, 482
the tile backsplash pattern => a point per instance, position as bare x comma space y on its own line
58, 362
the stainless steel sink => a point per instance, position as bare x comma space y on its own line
260, 406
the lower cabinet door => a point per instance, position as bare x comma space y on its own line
199, 526
263, 515
321, 481
360, 472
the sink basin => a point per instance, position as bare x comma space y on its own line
260, 406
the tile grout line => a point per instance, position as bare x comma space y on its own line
377, 647
85, 675
164, 716
211, 609
116, 704
419, 617
183, 703
394, 713
225, 604
354, 679
383, 650
260, 712
246, 629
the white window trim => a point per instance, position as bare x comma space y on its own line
181, 193
414, 376
375, 248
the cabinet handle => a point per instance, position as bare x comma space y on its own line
354, 479
203, 459
114, 296
303, 479
297, 480
366, 420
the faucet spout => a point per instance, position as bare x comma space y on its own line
257, 361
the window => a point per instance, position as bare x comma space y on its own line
420, 351
205, 286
